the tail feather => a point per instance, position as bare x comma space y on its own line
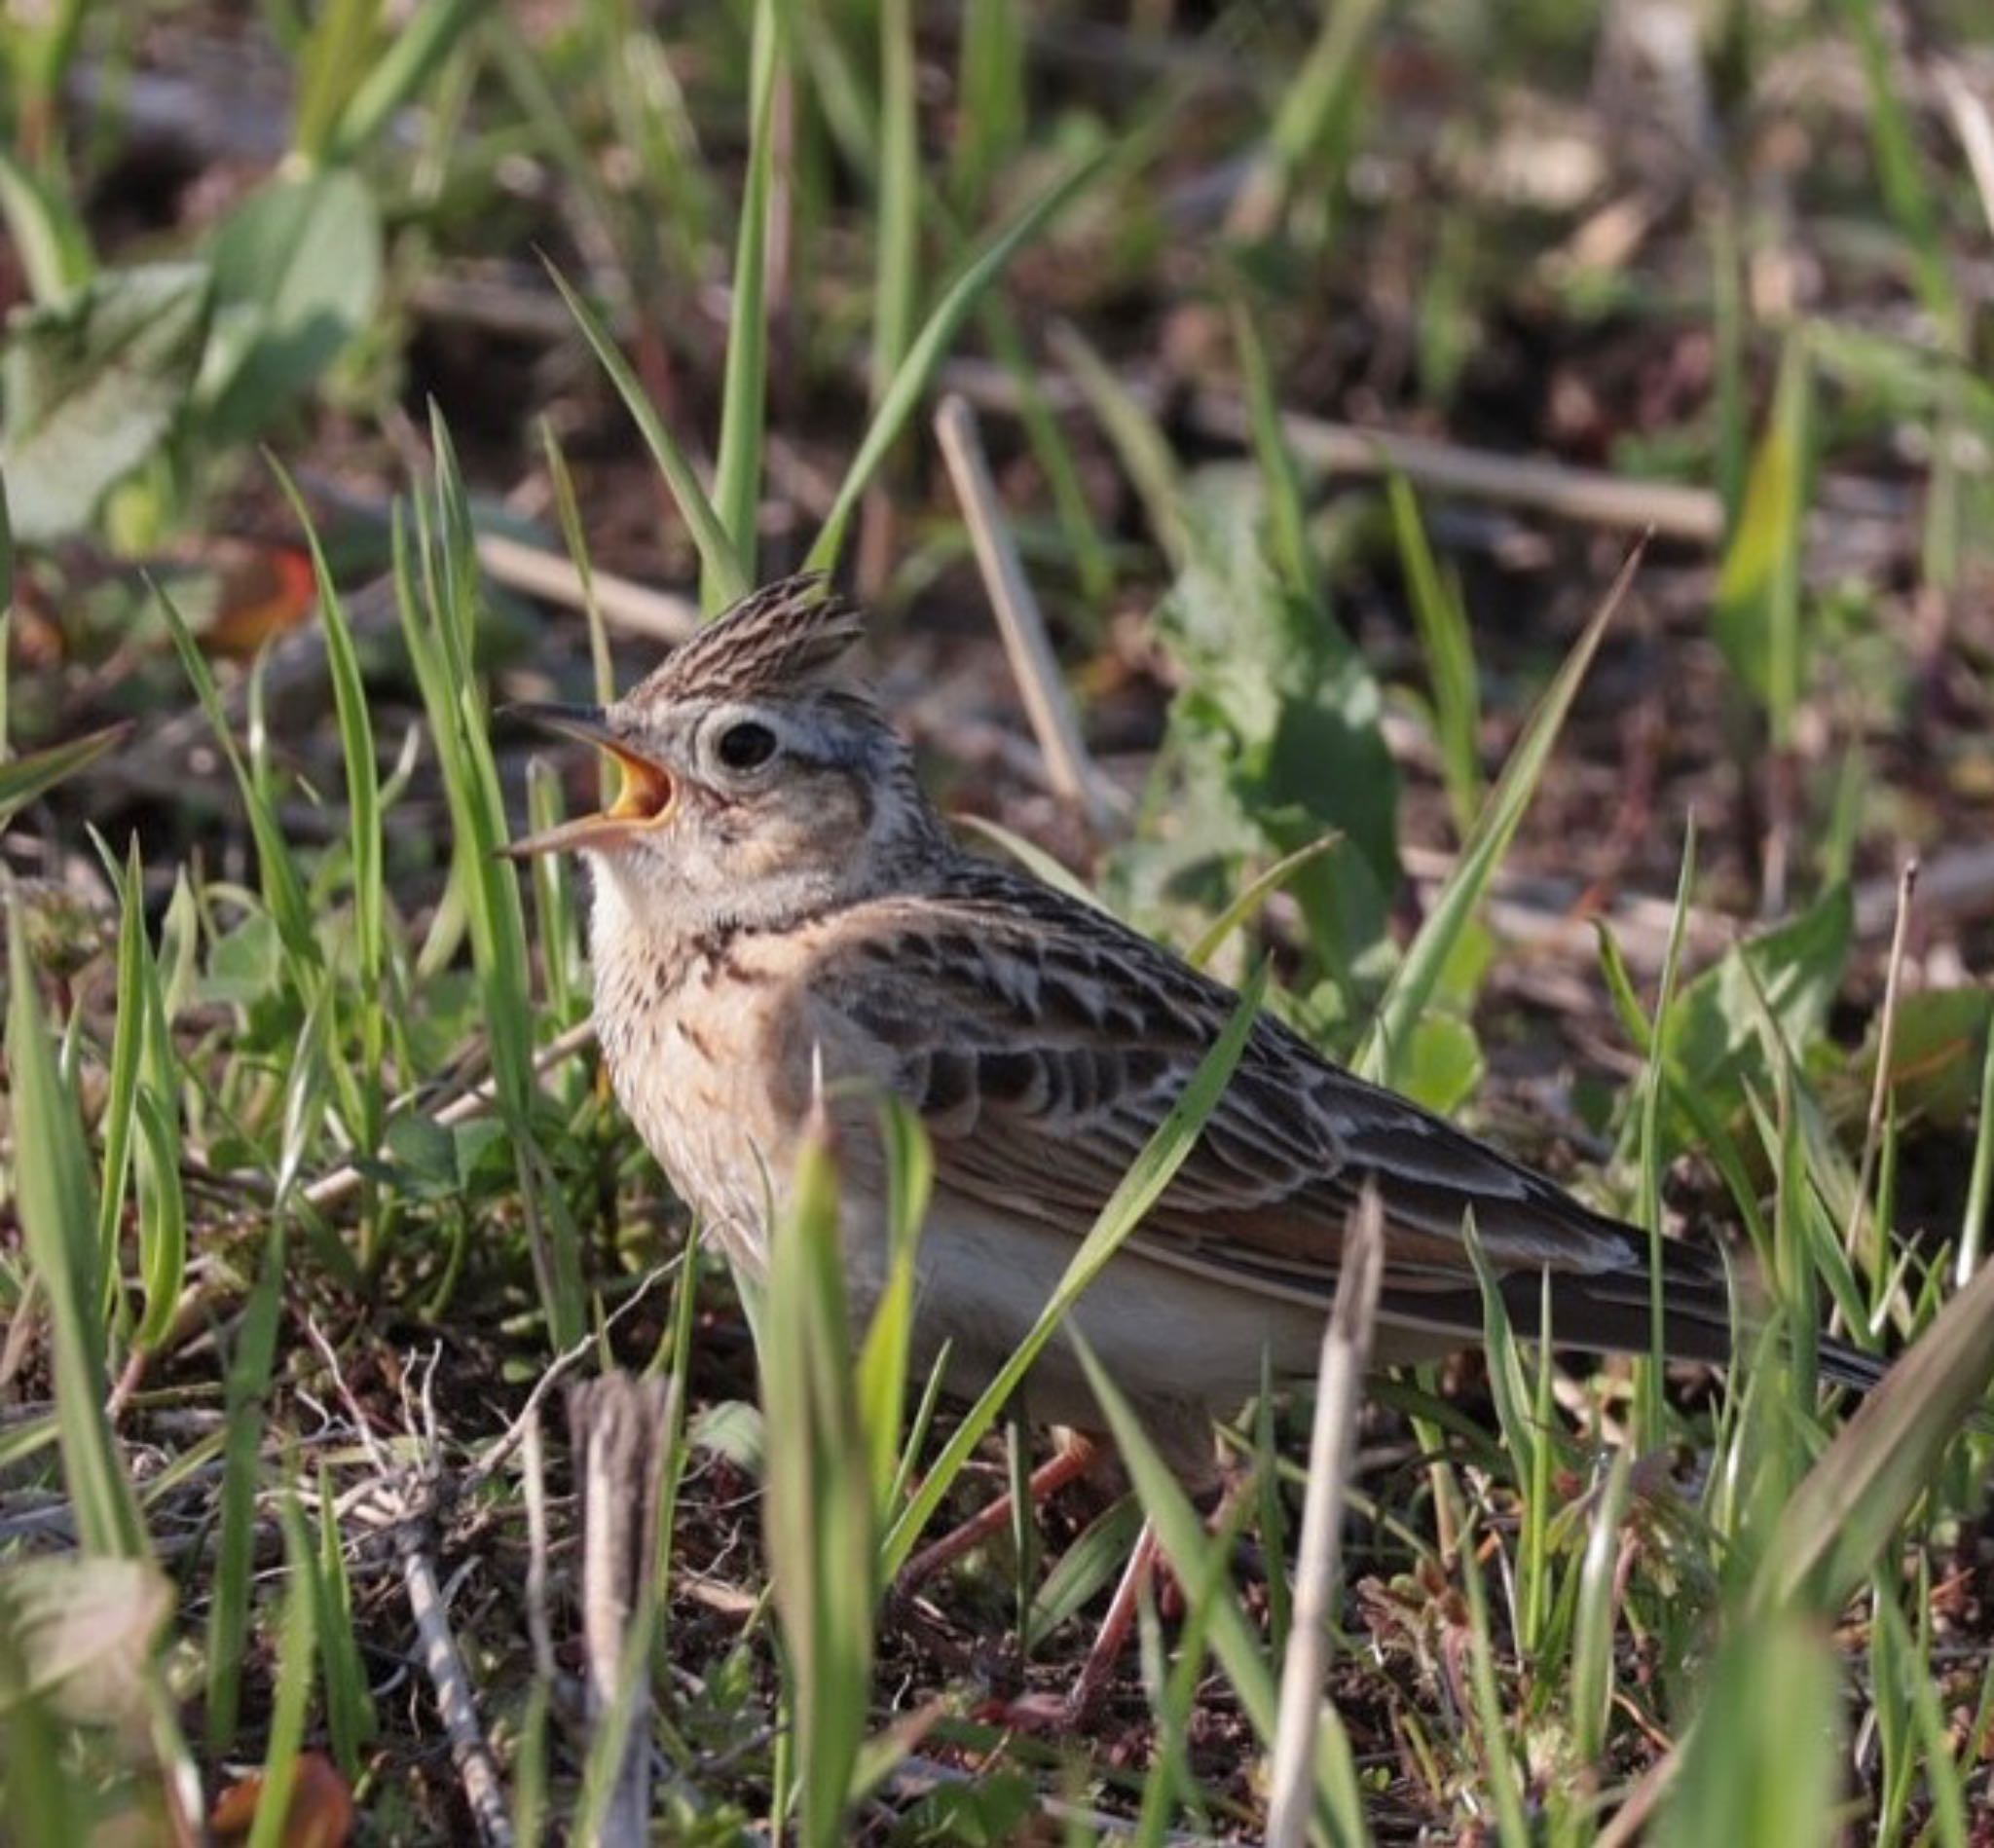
1612, 1313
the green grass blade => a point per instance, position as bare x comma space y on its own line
162, 1216
882, 1380
737, 474
349, 1719
1761, 1762
283, 888
1865, 1483
127, 1044
297, 1658
246, 1383
903, 395
820, 1528
26, 779
55, 1201
726, 576
1449, 648
1244, 905
1181, 1535
1419, 974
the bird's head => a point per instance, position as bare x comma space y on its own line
759, 781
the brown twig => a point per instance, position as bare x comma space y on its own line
1020, 620
1332, 1440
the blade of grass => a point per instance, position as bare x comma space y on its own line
127, 1041
54, 1198
26, 779
821, 1500
725, 576
1865, 1483
737, 474
1420, 972
1648, 1419
903, 395
882, 1379
297, 1658
1444, 638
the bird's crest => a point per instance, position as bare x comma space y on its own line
780, 639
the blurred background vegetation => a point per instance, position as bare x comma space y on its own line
367, 364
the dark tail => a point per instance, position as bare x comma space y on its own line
1610, 1312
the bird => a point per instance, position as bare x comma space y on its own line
783, 923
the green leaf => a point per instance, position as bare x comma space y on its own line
297, 274
1727, 1028
1432, 950
92, 385
1756, 617
1275, 741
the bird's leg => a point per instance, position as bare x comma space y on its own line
1145, 1565
1098, 1670
1075, 1455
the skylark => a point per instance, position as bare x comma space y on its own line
778, 908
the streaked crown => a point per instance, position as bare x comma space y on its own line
783, 638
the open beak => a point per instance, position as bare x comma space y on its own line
645, 799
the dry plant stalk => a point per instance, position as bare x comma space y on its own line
1332, 1442
619, 1427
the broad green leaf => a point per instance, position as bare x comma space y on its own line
1727, 1029
297, 274
93, 385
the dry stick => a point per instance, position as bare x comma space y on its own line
476, 1769
452, 1682
1332, 1440
1975, 127
537, 1626
1673, 511
620, 1427
661, 614
1020, 621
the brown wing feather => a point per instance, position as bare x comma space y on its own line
1043, 1044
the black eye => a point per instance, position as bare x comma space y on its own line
746, 745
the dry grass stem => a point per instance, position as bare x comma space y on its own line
1332, 1441
1020, 620
620, 1425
